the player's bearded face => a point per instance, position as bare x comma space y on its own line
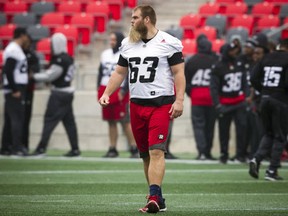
137, 32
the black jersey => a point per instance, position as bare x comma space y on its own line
67, 63
198, 75
270, 75
228, 83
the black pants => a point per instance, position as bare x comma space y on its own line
59, 108
203, 121
27, 118
274, 117
239, 117
253, 132
13, 122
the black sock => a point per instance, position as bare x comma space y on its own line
155, 190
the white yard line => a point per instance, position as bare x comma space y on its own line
124, 160
40, 172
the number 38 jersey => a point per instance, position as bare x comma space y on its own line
150, 75
270, 75
229, 80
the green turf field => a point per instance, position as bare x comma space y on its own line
96, 186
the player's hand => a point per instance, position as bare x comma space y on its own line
104, 100
16, 94
176, 109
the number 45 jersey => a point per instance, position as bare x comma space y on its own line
270, 76
150, 75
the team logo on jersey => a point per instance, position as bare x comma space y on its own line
161, 136
163, 41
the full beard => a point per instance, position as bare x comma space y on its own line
137, 33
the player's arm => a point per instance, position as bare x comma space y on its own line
180, 84
117, 77
8, 70
188, 76
215, 86
255, 78
53, 73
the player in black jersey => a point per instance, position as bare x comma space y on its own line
203, 116
252, 130
33, 67
59, 108
229, 91
15, 78
270, 77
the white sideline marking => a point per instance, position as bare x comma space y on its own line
120, 171
123, 160
141, 195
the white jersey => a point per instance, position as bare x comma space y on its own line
150, 75
108, 61
13, 50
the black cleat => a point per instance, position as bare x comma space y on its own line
39, 152
169, 155
254, 168
272, 175
134, 152
112, 153
72, 153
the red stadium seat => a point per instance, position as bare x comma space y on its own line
44, 46
11, 8
189, 22
84, 23
52, 20
217, 44
115, 9
130, 3
1, 60
285, 31
267, 22
262, 9
100, 11
6, 34
225, 3
233, 10
208, 9
189, 47
71, 33
246, 21
209, 31
68, 9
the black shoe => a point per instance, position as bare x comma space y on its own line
72, 153
5, 152
162, 206
254, 168
201, 157
39, 152
272, 175
112, 153
134, 152
21, 152
223, 159
238, 159
210, 157
169, 155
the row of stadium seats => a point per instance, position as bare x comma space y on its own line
192, 22
223, 19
